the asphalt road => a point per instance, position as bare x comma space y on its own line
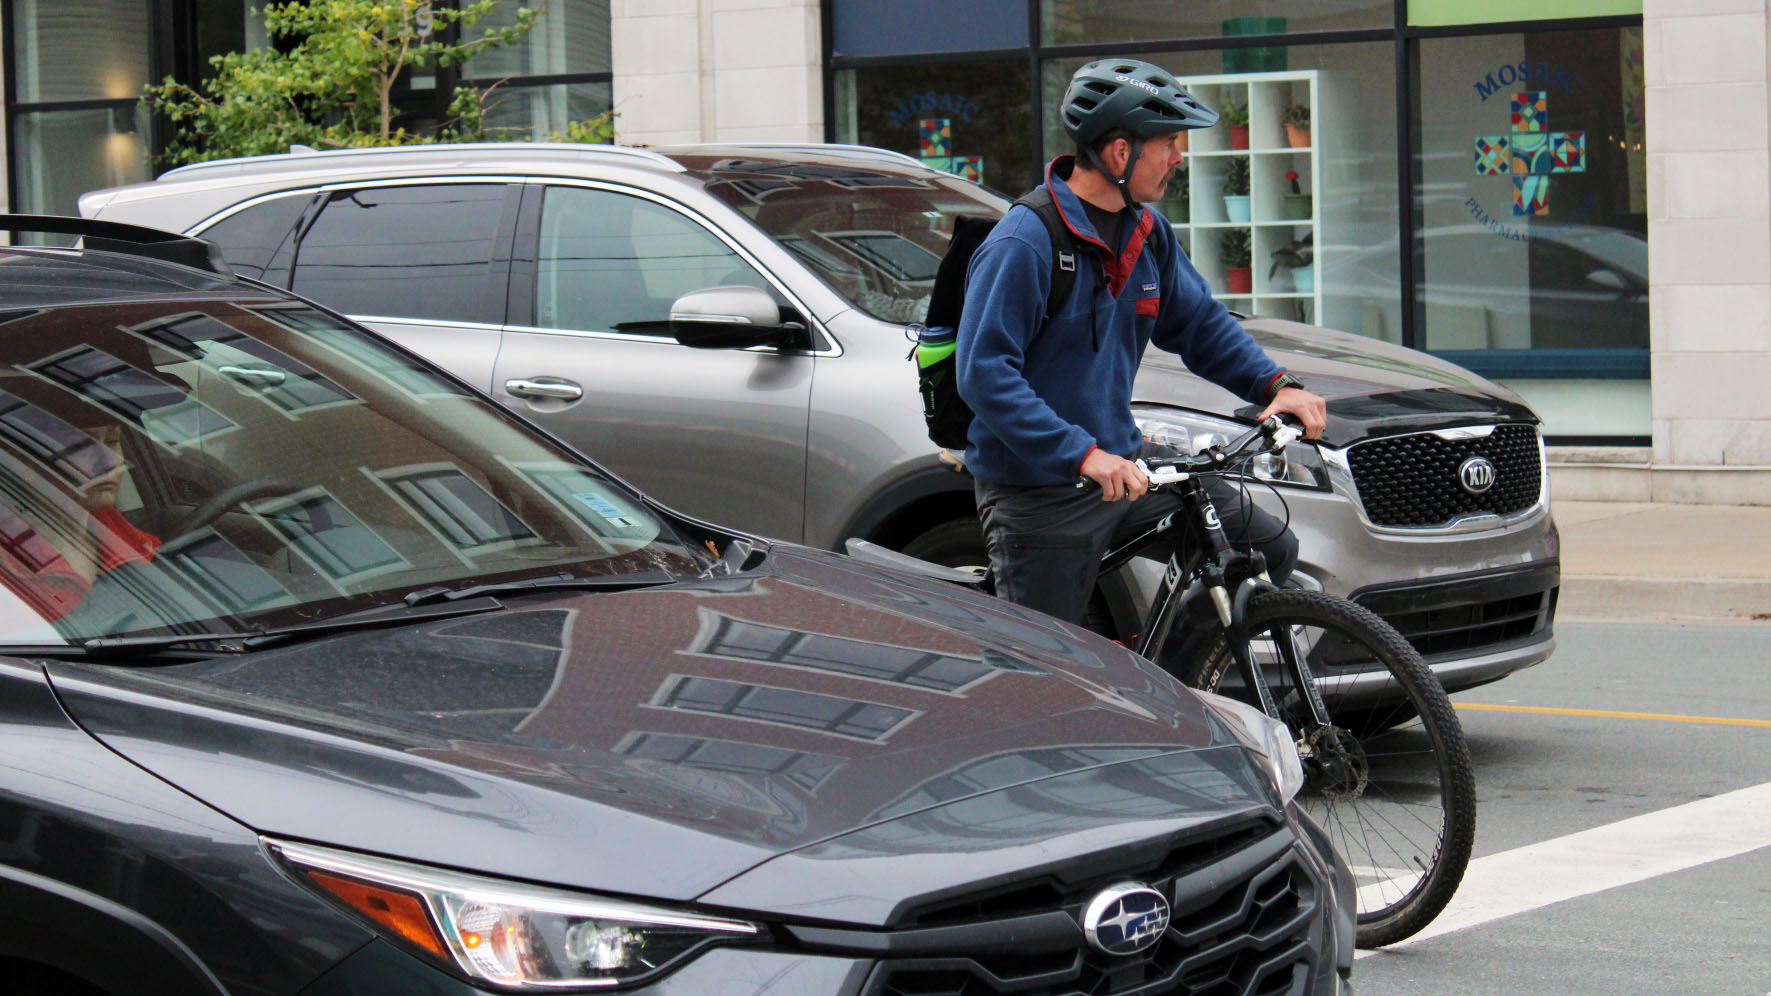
1667, 888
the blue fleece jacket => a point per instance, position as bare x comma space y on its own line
1044, 397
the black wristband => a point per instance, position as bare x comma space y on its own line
1282, 382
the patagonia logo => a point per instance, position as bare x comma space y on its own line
1149, 288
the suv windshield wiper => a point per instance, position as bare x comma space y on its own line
601, 582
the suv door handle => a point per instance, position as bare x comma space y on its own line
525, 388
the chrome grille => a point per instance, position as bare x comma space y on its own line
1413, 480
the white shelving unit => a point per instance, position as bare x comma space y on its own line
1269, 157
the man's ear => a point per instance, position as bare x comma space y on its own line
1116, 154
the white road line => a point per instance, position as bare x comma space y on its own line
1622, 853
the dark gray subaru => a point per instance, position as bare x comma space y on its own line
322, 673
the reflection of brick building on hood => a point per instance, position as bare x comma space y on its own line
741, 691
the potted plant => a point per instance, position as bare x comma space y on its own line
1300, 258
1297, 203
1236, 197
1177, 206
1233, 252
1296, 120
1236, 116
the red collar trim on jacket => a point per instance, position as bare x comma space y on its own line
1117, 268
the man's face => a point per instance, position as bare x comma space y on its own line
101, 492
1155, 166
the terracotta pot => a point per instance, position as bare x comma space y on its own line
1181, 142
1238, 136
1240, 279
1297, 136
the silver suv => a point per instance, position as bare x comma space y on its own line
575, 285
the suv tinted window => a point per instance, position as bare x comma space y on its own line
251, 237
614, 263
407, 252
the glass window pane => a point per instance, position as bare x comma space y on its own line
62, 154
614, 263
251, 237
93, 50
1349, 225
405, 252
1064, 22
1438, 12
902, 27
516, 113
969, 118
1533, 200
571, 36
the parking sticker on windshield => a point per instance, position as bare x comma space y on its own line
605, 508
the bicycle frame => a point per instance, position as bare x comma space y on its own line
1210, 558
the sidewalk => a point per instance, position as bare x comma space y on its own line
1659, 561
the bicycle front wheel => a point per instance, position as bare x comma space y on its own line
1389, 778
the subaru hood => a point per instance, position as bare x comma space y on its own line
1372, 388
660, 742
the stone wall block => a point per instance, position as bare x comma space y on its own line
1709, 251
757, 39
1715, 49
1715, 184
1706, 118
1728, 386
1714, 318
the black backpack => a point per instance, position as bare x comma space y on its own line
947, 414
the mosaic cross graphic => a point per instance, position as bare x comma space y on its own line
937, 151
1531, 153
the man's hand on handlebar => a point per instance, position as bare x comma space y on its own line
1309, 409
1117, 476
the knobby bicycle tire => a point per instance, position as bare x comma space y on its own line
1396, 792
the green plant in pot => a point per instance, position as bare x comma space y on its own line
1235, 117
1300, 258
1233, 253
1296, 120
1236, 197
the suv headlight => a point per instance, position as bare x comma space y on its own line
1266, 736
1300, 465
511, 935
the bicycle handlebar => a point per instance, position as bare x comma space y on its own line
1270, 436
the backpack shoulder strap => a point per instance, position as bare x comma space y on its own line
1065, 254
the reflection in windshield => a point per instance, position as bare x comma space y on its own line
874, 235
165, 468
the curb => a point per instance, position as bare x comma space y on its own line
1636, 599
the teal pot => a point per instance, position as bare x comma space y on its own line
1303, 279
1236, 207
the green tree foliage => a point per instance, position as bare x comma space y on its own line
333, 87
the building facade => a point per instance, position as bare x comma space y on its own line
1476, 179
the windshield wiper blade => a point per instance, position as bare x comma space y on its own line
380, 615
602, 582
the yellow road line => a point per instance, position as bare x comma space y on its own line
1609, 714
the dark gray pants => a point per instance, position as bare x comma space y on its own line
1046, 543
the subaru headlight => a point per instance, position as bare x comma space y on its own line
510, 935
1298, 465
1266, 736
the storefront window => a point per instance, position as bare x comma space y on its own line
95, 50
968, 118
62, 154
1065, 22
1307, 213
1532, 199
571, 36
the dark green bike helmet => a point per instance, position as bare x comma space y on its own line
1137, 96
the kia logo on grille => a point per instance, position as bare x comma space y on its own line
1125, 918
1476, 475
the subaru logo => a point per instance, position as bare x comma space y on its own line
1476, 475
1125, 918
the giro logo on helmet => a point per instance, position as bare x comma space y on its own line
1138, 83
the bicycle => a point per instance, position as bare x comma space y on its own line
1387, 769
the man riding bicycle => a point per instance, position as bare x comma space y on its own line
1053, 398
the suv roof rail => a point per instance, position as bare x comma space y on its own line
130, 240
868, 150
299, 157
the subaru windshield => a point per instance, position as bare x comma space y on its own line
875, 235
215, 465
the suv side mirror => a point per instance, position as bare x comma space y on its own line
731, 317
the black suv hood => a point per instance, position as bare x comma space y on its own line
654, 742
1373, 388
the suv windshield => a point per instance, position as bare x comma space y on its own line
215, 464
875, 235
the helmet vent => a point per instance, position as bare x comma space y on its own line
1098, 87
